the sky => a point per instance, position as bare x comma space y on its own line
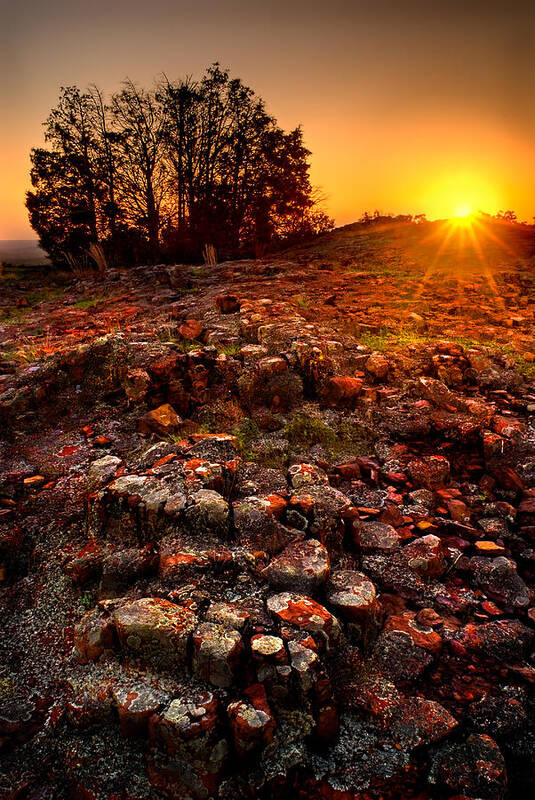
407, 107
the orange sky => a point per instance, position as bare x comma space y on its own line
407, 106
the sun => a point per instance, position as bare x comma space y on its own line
462, 211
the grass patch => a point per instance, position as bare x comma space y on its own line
229, 349
246, 433
89, 303
302, 301
304, 431
13, 316
253, 447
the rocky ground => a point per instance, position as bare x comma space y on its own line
267, 529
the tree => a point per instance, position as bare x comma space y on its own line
169, 170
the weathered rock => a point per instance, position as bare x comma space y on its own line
475, 766
163, 421
251, 720
154, 631
342, 390
188, 751
377, 365
217, 651
505, 640
501, 581
398, 658
230, 615
429, 471
303, 612
302, 567
301, 475
94, 636
375, 536
191, 329
418, 721
353, 595
209, 513
136, 703
103, 470
227, 303
426, 556
136, 385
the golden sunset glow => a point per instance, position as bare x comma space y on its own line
462, 211
389, 116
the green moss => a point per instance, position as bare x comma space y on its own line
88, 599
303, 431
302, 301
230, 349
246, 433
89, 302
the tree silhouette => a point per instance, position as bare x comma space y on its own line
164, 172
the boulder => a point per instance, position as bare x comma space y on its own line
217, 652
303, 566
251, 720
304, 613
162, 421
154, 631
342, 391
375, 536
353, 595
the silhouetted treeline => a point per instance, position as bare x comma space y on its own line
378, 218
158, 174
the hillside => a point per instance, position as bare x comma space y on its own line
266, 528
24, 252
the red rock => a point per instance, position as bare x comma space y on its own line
423, 635
93, 704
93, 637
188, 751
87, 563
217, 652
500, 579
377, 365
353, 595
459, 511
34, 482
327, 722
305, 613
272, 365
136, 704
429, 471
227, 303
175, 567
370, 536
507, 426
136, 385
439, 394
303, 566
342, 390
418, 721
163, 421
251, 720
488, 548
301, 475
426, 556
474, 767
305, 665
155, 631
229, 615
265, 647
191, 329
